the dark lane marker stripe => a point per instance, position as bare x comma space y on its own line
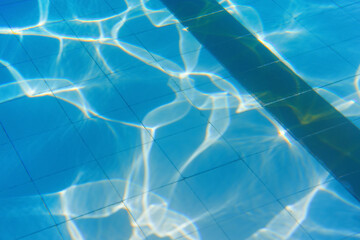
329, 136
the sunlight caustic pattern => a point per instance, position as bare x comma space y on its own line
123, 126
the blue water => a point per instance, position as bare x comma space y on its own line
116, 123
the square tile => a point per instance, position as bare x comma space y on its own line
348, 51
6, 2
77, 191
343, 96
254, 15
353, 10
146, 15
27, 116
11, 44
326, 212
50, 233
305, 8
119, 54
52, 151
322, 66
193, 63
287, 168
3, 137
136, 171
230, 190
292, 39
345, 3
89, 98
32, 13
21, 79
217, 98
23, 212
166, 116
178, 41
172, 211
71, 10
197, 150
323, 24
74, 65
212, 232
267, 222
50, 39
100, 31
250, 132
150, 84
104, 224
12, 171
112, 133
123, 5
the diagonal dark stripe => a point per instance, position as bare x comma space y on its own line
331, 138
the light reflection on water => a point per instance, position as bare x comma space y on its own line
197, 116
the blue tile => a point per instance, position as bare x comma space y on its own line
354, 11
20, 80
267, 222
217, 98
326, 22
343, 95
73, 65
120, 6
3, 137
99, 31
166, 116
12, 171
254, 15
229, 190
104, 224
27, 116
194, 63
287, 168
81, 100
160, 46
172, 211
52, 151
9, 43
250, 132
306, 7
50, 39
326, 212
150, 84
32, 13
292, 39
197, 150
212, 232
6, 2
119, 54
115, 132
322, 66
51, 233
77, 191
348, 51
345, 3
23, 212
138, 20
141, 167
71, 10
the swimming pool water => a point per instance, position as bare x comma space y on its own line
117, 123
